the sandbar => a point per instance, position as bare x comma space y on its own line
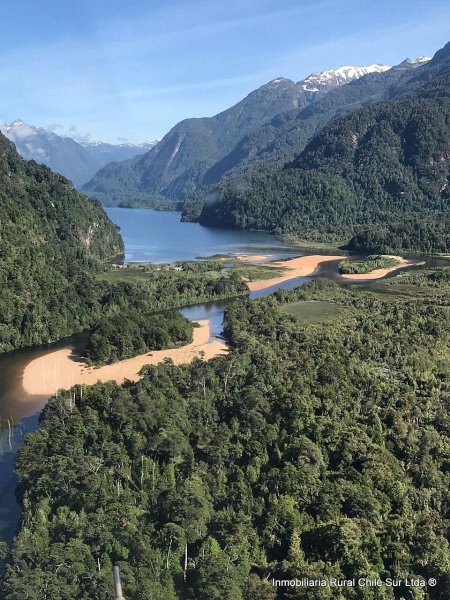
253, 257
61, 369
295, 267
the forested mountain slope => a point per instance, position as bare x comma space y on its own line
195, 151
262, 132
51, 240
271, 145
179, 161
282, 138
308, 452
381, 174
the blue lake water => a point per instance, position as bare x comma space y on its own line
158, 237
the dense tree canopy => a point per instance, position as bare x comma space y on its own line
54, 247
260, 133
130, 333
308, 451
370, 263
52, 242
378, 177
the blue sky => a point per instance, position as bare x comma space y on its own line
116, 70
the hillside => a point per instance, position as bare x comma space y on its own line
195, 151
280, 140
78, 161
378, 177
309, 451
51, 241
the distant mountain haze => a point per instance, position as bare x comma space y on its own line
201, 151
76, 160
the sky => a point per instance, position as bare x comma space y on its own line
119, 71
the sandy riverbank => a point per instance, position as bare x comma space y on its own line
253, 257
295, 267
379, 273
61, 369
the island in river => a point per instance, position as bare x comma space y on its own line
300, 422
61, 369
255, 259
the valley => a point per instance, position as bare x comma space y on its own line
225, 354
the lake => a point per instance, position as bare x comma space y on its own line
160, 237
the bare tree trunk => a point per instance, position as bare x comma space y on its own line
185, 561
168, 553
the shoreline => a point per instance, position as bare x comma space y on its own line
61, 369
379, 273
252, 258
301, 266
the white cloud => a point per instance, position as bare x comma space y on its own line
20, 132
76, 135
54, 127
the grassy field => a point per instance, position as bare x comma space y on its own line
256, 272
391, 291
316, 312
335, 248
404, 286
135, 271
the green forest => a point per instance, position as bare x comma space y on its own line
55, 276
319, 445
376, 180
131, 333
309, 450
53, 241
371, 263
261, 133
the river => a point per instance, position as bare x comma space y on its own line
149, 236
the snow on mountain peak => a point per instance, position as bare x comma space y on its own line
17, 130
339, 76
418, 60
279, 82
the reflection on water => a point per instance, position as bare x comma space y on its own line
11, 439
158, 237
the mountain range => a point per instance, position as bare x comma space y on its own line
377, 178
356, 155
201, 151
76, 160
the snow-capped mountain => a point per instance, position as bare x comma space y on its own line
76, 160
417, 61
92, 144
198, 152
336, 77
